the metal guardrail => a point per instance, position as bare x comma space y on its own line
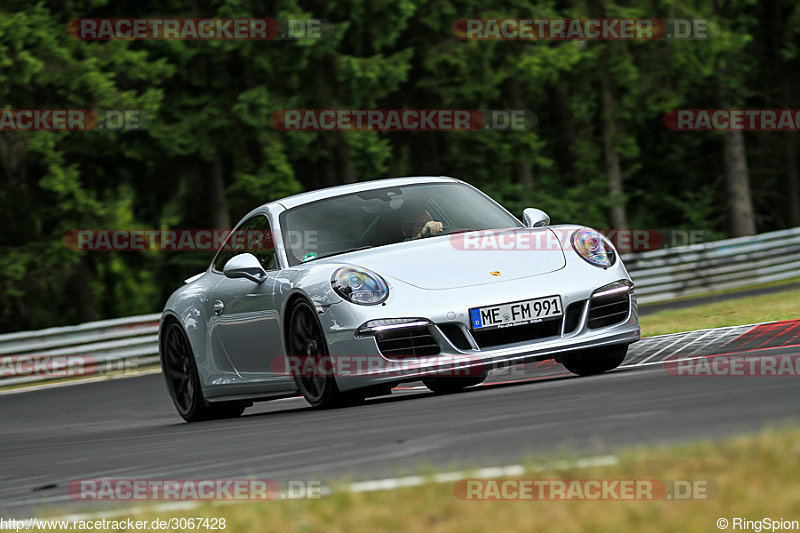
669, 273
92, 348
132, 342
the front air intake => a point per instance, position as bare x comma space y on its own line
398, 343
455, 335
608, 310
573, 316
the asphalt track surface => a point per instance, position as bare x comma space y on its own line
128, 428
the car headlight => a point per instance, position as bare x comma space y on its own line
359, 286
592, 246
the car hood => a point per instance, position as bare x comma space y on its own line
466, 259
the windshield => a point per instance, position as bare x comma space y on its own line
389, 215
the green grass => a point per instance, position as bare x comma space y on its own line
734, 290
755, 476
750, 310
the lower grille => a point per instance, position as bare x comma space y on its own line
407, 342
528, 332
573, 316
607, 311
455, 335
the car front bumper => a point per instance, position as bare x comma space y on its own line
359, 363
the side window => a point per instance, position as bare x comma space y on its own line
260, 242
255, 237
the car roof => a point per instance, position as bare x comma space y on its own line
329, 192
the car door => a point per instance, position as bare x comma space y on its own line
245, 325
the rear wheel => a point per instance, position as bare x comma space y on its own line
596, 361
316, 381
183, 382
451, 385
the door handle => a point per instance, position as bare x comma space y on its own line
218, 307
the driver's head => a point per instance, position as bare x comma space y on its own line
413, 221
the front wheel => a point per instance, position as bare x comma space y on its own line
183, 382
594, 361
315, 381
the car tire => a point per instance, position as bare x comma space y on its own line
183, 382
451, 385
595, 361
306, 340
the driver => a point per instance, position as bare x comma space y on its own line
418, 224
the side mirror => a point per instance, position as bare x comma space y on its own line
245, 266
535, 218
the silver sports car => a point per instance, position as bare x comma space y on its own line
341, 294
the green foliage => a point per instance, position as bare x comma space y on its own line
210, 104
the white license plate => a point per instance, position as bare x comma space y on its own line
515, 313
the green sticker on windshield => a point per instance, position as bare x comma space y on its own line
309, 256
